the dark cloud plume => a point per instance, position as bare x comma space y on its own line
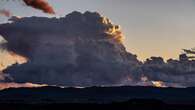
76, 50
5, 13
41, 5
84, 49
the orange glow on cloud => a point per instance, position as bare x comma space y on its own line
9, 58
2, 66
19, 85
158, 84
146, 81
19, 59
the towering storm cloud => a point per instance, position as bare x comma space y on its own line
41, 5
84, 49
77, 50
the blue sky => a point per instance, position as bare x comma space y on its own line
151, 27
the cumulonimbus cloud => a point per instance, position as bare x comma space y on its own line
84, 49
76, 50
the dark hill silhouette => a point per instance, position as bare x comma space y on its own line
49, 98
96, 95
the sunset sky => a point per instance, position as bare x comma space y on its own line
151, 27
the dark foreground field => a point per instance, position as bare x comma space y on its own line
130, 105
122, 98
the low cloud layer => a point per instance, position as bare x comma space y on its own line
178, 72
84, 49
